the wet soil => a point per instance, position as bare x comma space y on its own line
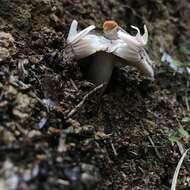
115, 140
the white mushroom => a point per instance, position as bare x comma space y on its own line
114, 43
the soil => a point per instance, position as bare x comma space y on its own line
115, 140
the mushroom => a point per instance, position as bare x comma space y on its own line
109, 49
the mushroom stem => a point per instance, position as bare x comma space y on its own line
100, 70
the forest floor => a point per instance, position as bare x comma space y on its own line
123, 139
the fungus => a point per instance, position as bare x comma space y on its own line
108, 49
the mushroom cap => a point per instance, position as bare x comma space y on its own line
109, 25
114, 41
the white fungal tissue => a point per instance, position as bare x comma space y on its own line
114, 40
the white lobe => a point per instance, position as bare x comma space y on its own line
138, 40
84, 43
145, 35
131, 48
82, 33
89, 45
72, 31
74, 36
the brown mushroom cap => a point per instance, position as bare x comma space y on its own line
109, 25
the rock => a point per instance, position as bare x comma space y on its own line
24, 105
90, 175
7, 48
4, 54
6, 136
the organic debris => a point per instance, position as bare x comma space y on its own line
59, 131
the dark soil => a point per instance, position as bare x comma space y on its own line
118, 140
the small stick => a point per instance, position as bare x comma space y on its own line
33, 95
174, 180
78, 106
182, 150
74, 85
186, 97
113, 148
155, 148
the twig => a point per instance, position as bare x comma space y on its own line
182, 150
174, 180
33, 95
154, 114
155, 148
74, 85
78, 106
186, 97
113, 148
